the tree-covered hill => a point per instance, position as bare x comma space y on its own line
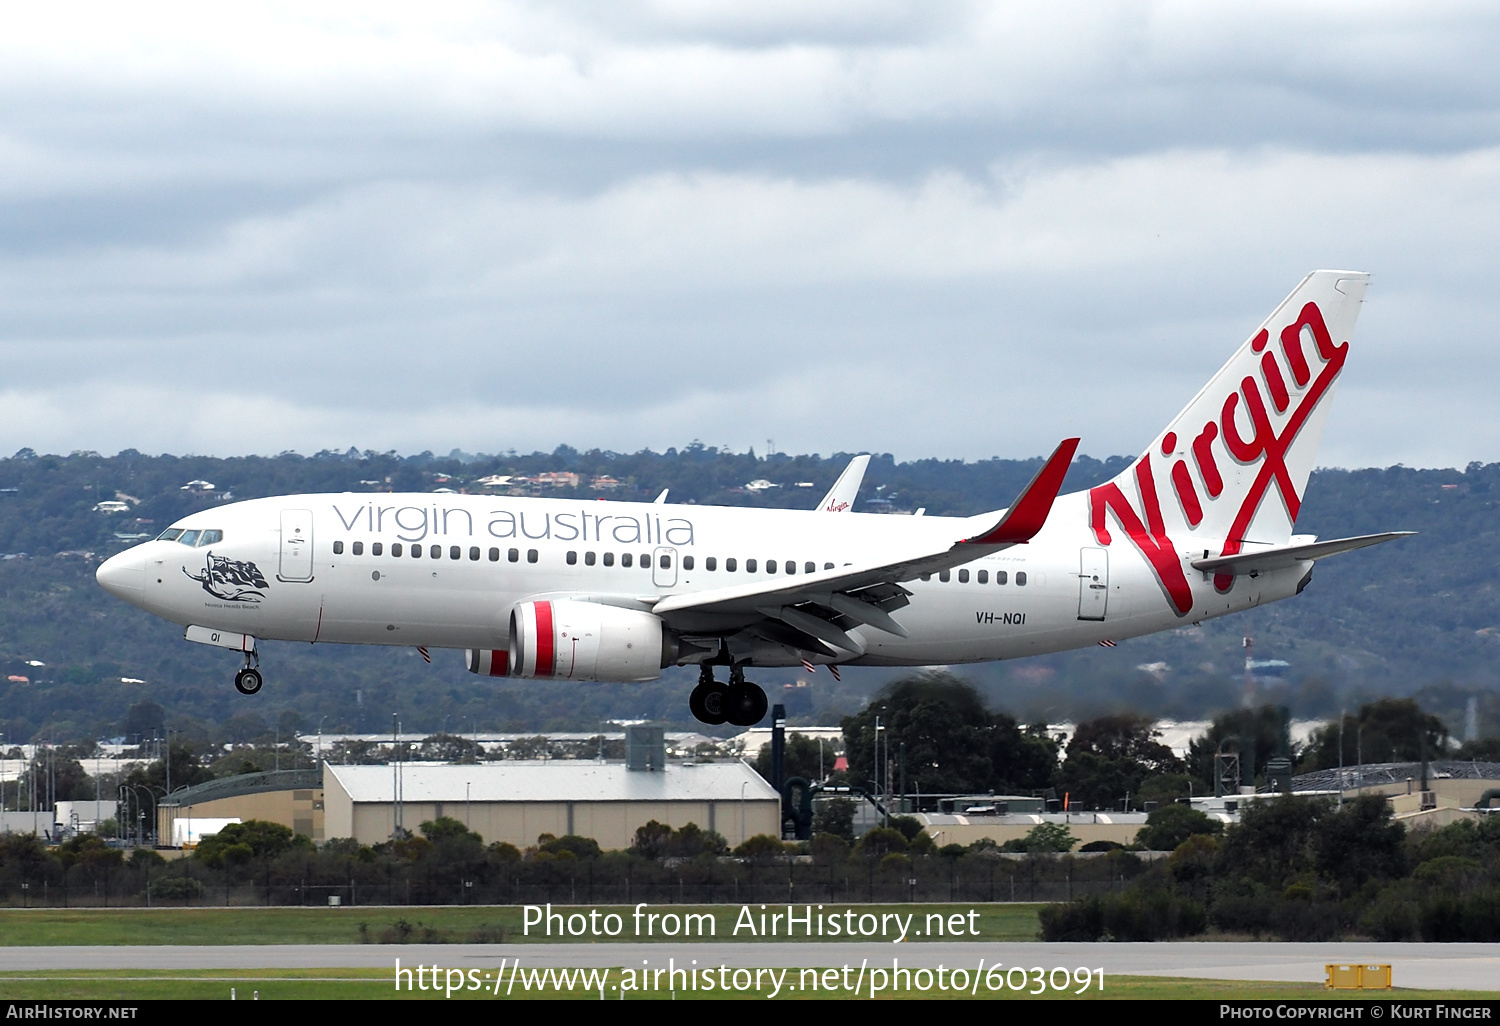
1412, 615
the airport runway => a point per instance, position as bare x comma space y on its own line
1426, 966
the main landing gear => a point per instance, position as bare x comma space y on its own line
248, 680
739, 702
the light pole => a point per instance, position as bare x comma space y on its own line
743, 784
320, 740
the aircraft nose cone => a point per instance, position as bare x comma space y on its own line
123, 575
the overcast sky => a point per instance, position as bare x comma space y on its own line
932, 228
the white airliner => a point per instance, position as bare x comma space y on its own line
1199, 526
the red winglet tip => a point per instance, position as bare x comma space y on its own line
1029, 512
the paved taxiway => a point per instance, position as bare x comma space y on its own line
1426, 966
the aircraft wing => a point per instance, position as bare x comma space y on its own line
823, 604
840, 498
1284, 557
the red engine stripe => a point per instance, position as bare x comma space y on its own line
500, 663
544, 639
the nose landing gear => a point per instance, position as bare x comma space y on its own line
740, 702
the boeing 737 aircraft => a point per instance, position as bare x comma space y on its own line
1199, 526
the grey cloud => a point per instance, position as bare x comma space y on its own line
931, 229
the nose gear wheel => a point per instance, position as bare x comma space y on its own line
248, 681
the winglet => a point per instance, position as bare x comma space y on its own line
1029, 512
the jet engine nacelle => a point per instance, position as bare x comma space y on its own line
575, 640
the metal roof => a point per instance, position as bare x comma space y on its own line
244, 783
555, 780
1375, 774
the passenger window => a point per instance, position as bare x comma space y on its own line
749, 566
338, 548
359, 548
1020, 578
189, 538
609, 559
645, 560
514, 555
170, 534
944, 576
731, 565
377, 547
963, 577
666, 562
827, 566
454, 552
983, 577
791, 566
531, 555
395, 548
770, 566
687, 562
589, 558
711, 563
416, 552
494, 555
211, 538
810, 567
626, 559
1001, 576
572, 558
436, 552
474, 552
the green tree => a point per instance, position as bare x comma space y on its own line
575, 846
446, 828
804, 757
1109, 758
690, 841
880, 842
1387, 730
761, 846
834, 816
1044, 837
1272, 843
952, 743
829, 849
652, 840
1170, 825
252, 839
1359, 842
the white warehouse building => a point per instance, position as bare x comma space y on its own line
516, 801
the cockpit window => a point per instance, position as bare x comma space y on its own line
211, 538
170, 534
189, 537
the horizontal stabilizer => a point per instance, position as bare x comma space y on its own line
1284, 557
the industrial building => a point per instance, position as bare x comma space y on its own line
516, 801
509, 800
293, 798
